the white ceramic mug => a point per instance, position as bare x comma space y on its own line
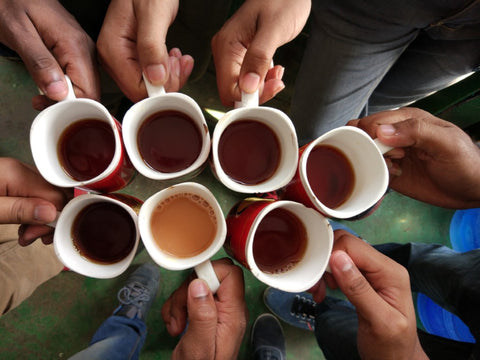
65, 247
370, 171
243, 222
282, 127
159, 101
201, 262
46, 132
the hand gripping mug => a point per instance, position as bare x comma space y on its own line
77, 143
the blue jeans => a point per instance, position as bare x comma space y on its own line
380, 55
449, 278
117, 338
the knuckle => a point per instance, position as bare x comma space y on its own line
358, 286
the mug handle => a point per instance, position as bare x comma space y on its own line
70, 93
205, 272
381, 146
153, 90
248, 100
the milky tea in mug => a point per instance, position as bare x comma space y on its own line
183, 225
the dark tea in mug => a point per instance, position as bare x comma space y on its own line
104, 232
330, 175
279, 242
249, 152
183, 225
86, 148
169, 141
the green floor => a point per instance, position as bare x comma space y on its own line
62, 315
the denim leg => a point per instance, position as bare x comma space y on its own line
336, 326
118, 338
449, 278
352, 46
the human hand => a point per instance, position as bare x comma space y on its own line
379, 288
27, 199
243, 49
50, 42
132, 42
434, 161
216, 324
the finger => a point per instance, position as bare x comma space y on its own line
40, 63
174, 310
258, 59
414, 132
173, 81
19, 180
186, 68
199, 340
356, 287
386, 277
20, 210
27, 234
151, 36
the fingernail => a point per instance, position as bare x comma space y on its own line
250, 82
176, 66
199, 289
156, 73
387, 129
44, 213
343, 262
280, 72
56, 90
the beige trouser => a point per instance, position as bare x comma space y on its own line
23, 269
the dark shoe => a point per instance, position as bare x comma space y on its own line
296, 309
138, 294
268, 340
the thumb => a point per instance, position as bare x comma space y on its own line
257, 61
199, 339
355, 286
19, 210
413, 132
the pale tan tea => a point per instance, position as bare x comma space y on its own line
183, 225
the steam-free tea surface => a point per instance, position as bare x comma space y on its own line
330, 175
279, 242
184, 225
169, 141
249, 152
86, 148
104, 232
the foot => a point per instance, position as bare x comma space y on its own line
138, 294
296, 309
268, 340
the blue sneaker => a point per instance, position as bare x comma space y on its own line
268, 339
296, 309
138, 294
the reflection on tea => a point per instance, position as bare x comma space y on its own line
249, 152
169, 141
104, 232
86, 148
184, 225
330, 175
279, 242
